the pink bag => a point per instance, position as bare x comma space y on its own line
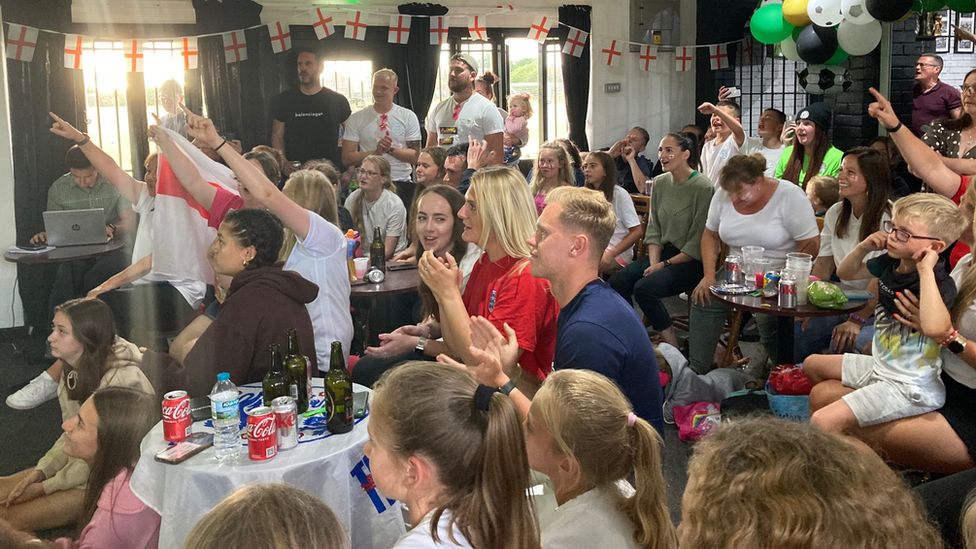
695, 420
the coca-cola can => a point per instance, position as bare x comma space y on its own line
177, 420
787, 294
262, 434
286, 421
733, 270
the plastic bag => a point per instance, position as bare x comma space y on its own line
826, 295
787, 379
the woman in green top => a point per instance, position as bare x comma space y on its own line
811, 152
679, 208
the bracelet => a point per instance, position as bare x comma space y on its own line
84, 141
948, 339
667, 262
896, 128
217, 148
114, 228
857, 318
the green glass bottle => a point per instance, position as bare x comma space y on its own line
275, 382
296, 364
338, 385
377, 251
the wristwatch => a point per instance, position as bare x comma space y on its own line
421, 344
957, 343
507, 388
667, 262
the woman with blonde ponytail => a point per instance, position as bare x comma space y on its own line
453, 451
582, 433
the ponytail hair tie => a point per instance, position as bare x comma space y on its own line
482, 397
631, 419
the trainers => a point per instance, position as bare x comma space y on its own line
40, 390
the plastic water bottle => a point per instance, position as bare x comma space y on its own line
225, 412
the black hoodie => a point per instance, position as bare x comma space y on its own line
262, 304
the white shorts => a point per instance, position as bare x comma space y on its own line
878, 399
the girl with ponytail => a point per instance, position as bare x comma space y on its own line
582, 433
453, 451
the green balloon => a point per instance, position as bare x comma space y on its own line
768, 26
838, 57
962, 6
932, 5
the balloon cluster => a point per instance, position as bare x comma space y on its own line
826, 31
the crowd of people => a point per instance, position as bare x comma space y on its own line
526, 358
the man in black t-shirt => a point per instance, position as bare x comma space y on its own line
307, 119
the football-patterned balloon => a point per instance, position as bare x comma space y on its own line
824, 79
825, 13
856, 12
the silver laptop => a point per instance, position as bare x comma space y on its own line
75, 227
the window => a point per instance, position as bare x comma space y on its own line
353, 79
766, 82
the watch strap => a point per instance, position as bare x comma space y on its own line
508, 387
421, 344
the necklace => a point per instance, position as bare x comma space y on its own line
970, 140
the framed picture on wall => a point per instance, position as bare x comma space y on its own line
964, 21
942, 43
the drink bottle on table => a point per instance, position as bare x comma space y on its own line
296, 364
275, 382
225, 412
338, 387
377, 251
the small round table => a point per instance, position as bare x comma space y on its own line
784, 317
62, 254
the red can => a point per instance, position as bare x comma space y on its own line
177, 420
262, 434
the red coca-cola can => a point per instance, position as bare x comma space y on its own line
262, 434
286, 421
177, 421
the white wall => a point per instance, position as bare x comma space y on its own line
11, 313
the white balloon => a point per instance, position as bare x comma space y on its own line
788, 48
825, 13
859, 39
855, 12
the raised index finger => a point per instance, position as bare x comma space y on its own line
877, 95
55, 117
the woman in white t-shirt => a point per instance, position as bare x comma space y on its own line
600, 173
463, 475
583, 435
863, 207
749, 209
376, 204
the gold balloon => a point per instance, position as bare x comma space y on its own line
795, 12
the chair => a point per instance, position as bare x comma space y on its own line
642, 204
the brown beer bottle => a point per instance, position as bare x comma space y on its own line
377, 250
338, 386
275, 382
296, 364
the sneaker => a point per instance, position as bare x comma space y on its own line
40, 390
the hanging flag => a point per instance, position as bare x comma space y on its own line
718, 56
648, 55
399, 29
575, 42
539, 29
683, 58
235, 46
355, 27
21, 42
132, 52
280, 37
72, 51
438, 30
477, 29
613, 54
190, 52
323, 25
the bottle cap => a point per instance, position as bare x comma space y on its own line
223, 376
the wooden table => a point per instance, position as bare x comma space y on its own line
397, 282
784, 316
63, 254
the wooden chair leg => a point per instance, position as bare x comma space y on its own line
734, 327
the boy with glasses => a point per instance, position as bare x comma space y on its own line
932, 99
901, 378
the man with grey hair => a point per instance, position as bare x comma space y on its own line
465, 114
388, 130
932, 99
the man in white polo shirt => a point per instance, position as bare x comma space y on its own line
465, 113
387, 129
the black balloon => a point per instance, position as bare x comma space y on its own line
816, 44
888, 10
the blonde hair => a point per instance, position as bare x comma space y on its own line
386, 73
740, 170
326, 168
272, 516
587, 416
967, 288
766, 483
587, 210
479, 456
826, 189
506, 207
383, 167
525, 99
940, 215
312, 191
967, 522
565, 175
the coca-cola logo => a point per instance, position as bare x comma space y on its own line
262, 429
178, 412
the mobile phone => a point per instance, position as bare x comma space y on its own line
733, 92
182, 451
400, 265
31, 247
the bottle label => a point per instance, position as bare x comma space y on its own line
293, 391
224, 409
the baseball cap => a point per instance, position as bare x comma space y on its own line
466, 59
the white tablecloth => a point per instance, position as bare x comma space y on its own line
331, 467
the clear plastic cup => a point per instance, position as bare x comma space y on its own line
755, 274
360, 263
752, 253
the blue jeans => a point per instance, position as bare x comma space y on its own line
648, 291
